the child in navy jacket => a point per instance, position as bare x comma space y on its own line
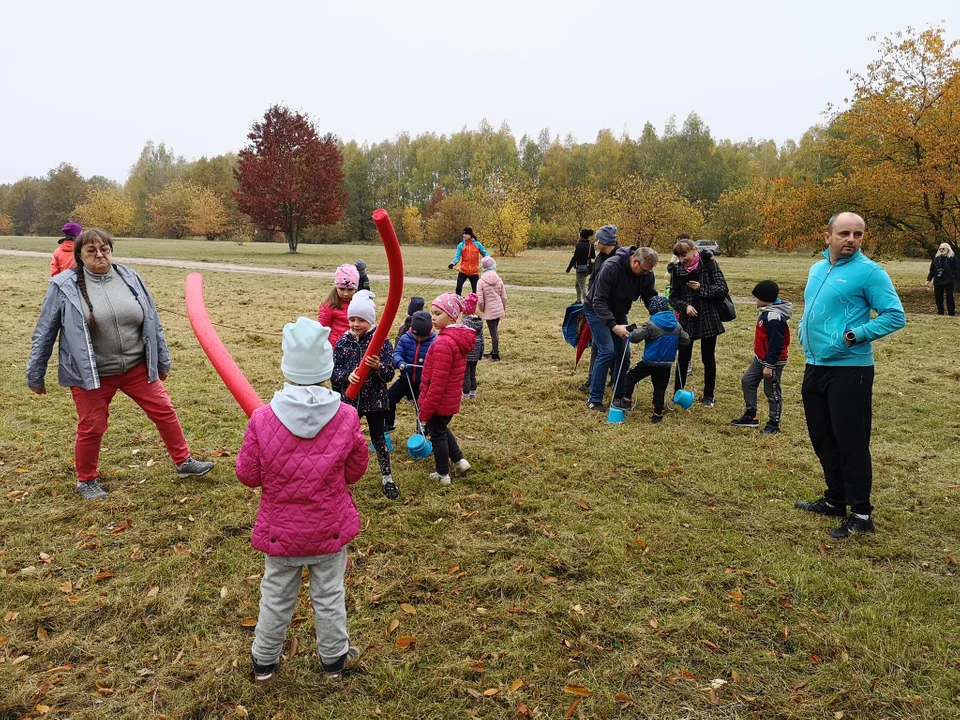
408, 358
771, 342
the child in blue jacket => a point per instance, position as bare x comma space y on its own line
408, 358
663, 336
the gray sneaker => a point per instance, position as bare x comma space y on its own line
91, 490
194, 468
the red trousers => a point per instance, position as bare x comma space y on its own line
93, 410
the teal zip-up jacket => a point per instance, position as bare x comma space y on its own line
839, 298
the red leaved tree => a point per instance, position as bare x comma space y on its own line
289, 178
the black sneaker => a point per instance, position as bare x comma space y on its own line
495, 357
770, 429
585, 388
390, 489
345, 662
623, 403
821, 507
656, 418
852, 525
263, 673
708, 402
389, 429
747, 420
598, 407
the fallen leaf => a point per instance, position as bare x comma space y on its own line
408, 608
624, 700
654, 624
42, 635
516, 685
814, 658
240, 709
453, 569
549, 580
522, 710
3, 640
405, 641
102, 576
770, 582
153, 592
248, 622
22, 658
45, 557
735, 676
66, 587
582, 505
490, 692
394, 624
786, 632
577, 690
11, 616
42, 709
573, 708
714, 700
478, 666
838, 714
294, 646
151, 462
736, 595
223, 593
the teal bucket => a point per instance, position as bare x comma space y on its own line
616, 416
683, 398
419, 447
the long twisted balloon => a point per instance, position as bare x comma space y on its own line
381, 218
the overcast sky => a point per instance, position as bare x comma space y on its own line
90, 82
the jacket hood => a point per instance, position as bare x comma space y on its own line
489, 277
666, 320
63, 240
463, 336
783, 309
305, 410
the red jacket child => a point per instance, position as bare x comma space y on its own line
442, 385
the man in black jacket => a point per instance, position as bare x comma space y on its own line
582, 260
606, 246
624, 278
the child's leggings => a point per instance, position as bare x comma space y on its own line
279, 591
375, 421
494, 327
470, 377
660, 376
445, 446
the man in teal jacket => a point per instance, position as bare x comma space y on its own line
836, 333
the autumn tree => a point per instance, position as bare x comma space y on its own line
60, 192
452, 214
289, 177
412, 224
106, 208
6, 224
23, 205
653, 213
581, 206
156, 167
504, 210
897, 141
737, 220
207, 217
170, 209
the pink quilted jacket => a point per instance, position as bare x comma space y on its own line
334, 319
306, 507
442, 385
493, 296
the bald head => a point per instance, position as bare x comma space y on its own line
845, 215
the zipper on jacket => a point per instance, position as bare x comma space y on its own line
86, 334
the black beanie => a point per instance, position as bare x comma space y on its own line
586, 233
416, 304
422, 323
767, 291
468, 231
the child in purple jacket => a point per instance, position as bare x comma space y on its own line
303, 450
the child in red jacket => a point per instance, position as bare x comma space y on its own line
442, 384
303, 450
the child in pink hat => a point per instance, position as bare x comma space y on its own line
333, 310
442, 384
473, 321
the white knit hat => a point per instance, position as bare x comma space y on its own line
307, 355
362, 306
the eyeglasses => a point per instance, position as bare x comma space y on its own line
92, 251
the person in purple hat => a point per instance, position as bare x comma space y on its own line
63, 256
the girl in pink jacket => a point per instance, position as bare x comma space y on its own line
333, 310
493, 303
303, 450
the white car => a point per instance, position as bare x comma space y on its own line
710, 245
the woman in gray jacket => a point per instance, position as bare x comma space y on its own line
110, 339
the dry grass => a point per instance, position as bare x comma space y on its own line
630, 559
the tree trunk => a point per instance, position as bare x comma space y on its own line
293, 237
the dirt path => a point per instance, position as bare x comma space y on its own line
260, 270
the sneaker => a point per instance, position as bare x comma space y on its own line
495, 357
851, 525
473, 394
707, 402
389, 429
690, 368
461, 466
748, 420
770, 429
262, 673
656, 418
585, 388
595, 406
821, 506
194, 468
91, 490
444, 479
344, 663
623, 403
465, 396
389, 488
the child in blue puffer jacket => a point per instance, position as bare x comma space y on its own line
663, 336
408, 358
373, 402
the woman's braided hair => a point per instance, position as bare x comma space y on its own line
85, 238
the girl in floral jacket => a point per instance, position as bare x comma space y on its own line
373, 402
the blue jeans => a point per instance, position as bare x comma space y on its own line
610, 350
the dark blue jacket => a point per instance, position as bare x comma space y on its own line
346, 358
412, 352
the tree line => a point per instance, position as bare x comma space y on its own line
890, 154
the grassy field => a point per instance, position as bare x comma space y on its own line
641, 571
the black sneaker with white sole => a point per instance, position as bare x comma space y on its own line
770, 428
853, 525
390, 489
747, 420
821, 506
262, 673
345, 662
598, 407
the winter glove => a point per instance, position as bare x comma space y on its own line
450, 266
568, 271
636, 336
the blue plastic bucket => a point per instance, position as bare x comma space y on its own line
683, 398
419, 447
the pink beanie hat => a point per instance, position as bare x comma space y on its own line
347, 277
470, 304
450, 303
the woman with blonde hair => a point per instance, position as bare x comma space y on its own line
944, 272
